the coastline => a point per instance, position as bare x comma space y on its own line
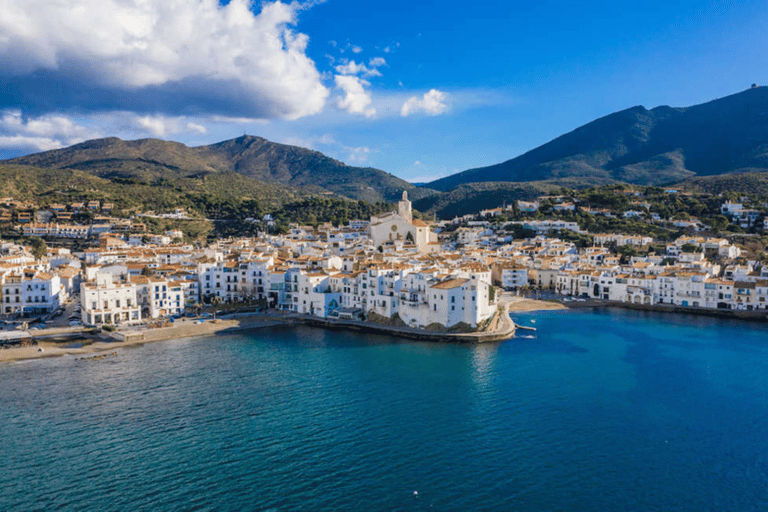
111, 341
726, 314
189, 329
98, 346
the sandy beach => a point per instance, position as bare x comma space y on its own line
522, 305
106, 342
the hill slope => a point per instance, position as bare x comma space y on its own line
260, 163
662, 145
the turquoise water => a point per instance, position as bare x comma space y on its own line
597, 411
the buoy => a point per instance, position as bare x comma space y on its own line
415, 493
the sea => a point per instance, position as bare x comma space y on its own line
604, 410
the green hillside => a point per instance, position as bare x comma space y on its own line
647, 147
246, 166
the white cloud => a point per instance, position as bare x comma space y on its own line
376, 62
57, 131
352, 68
161, 126
196, 128
356, 99
34, 143
40, 133
213, 53
432, 103
357, 49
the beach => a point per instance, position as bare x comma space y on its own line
524, 305
133, 337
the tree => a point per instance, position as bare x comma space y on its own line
690, 248
39, 249
146, 271
626, 252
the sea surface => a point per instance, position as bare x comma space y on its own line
603, 411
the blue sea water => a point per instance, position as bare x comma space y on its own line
607, 410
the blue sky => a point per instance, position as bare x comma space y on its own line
419, 89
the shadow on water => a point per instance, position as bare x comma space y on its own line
301, 336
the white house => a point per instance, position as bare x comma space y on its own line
106, 302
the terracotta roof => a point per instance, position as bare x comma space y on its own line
450, 284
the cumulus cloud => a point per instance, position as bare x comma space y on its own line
42, 133
30, 134
352, 68
356, 99
157, 56
351, 80
161, 126
432, 103
376, 62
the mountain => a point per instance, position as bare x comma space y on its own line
247, 163
646, 147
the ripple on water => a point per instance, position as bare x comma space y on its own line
600, 411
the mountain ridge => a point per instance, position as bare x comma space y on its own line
636, 145
255, 158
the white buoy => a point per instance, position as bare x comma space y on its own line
415, 493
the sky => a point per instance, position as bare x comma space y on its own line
420, 89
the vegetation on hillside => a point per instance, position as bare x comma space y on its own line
646, 147
246, 166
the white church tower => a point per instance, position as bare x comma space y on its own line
404, 208
394, 229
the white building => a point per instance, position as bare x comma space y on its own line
400, 226
30, 292
104, 301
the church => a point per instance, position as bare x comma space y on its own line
399, 228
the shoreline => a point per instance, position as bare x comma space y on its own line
184, 328
97, 346
760, 316
111, 341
